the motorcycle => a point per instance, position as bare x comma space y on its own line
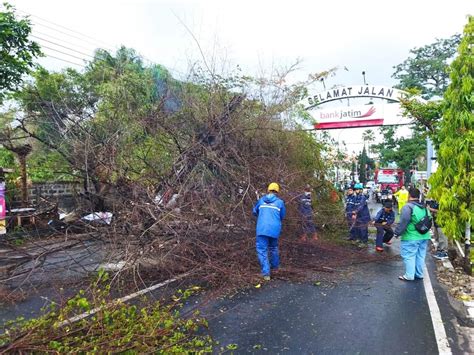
366, 192
378, 196
386, 196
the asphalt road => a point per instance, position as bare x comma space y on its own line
364, 310
368, 311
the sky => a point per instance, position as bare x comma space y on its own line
259, 36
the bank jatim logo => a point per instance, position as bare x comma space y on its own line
370, 112
346, 114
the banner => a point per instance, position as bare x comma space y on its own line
359, 116
3, 211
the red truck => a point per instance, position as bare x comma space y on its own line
391, 177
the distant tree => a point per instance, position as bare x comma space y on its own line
363, 161
17, 52
353, 170
368, 136
453, 182
402, 151
16, 142
427, 68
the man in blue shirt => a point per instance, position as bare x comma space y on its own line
270, 211
383, 222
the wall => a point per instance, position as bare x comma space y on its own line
62, 193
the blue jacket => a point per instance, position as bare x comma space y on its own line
350, 206
304, 204
361, 209
270, 211
383, 216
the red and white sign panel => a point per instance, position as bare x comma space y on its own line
3, 229
359, 116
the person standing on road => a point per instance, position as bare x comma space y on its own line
361, 215
440, 237
402, 198
349, 208
305, 208
270, 211
383, 223
413, 243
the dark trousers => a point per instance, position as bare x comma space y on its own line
384, 235
307, 224
362, 231
352, 230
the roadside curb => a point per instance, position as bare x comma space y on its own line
464, 309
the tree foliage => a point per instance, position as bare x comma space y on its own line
121, 123
404, 151
98, 121
363, 165
112, 327
427, 70
17, 51
453, 182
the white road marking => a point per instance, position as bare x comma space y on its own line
120, 300
438, 326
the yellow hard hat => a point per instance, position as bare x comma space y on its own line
274, 187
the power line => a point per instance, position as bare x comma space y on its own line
60, 45
70, 35
94, 43
67, 29
63, 60
56, 50
63, 40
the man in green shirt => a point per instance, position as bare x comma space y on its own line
413, 243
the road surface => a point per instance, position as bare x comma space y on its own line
368, 311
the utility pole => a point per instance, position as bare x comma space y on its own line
429, 157
363, 75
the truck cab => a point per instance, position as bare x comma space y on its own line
389, 177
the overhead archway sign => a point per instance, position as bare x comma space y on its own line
386, 113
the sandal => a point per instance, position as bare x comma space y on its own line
403, 278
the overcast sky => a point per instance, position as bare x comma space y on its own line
364, 35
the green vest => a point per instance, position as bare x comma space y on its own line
417, 214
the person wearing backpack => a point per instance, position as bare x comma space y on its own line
415, 223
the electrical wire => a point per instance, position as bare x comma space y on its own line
63, 60
67, 34
60, 45
109, 46
50, 37
95, 43
56, 50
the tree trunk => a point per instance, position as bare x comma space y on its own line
467, 249
24, 181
